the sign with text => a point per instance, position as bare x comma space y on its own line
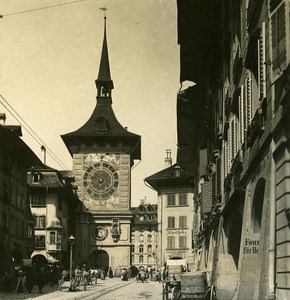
251, 243
177, 231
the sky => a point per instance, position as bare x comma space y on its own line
50, 53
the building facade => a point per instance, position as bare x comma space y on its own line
16, 222
174, 186
53, 201
103, 154
144, 236
239, 63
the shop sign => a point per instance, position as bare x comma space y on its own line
181, 231
251, 244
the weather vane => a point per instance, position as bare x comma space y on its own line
104, 9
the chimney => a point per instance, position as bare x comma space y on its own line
2, 118
168, 159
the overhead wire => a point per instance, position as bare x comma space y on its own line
30, 131
40, 8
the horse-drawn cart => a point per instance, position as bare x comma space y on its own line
188, 286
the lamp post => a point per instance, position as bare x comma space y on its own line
71, 241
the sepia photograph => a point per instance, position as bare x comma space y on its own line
145, 149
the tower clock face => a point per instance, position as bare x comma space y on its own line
100, 180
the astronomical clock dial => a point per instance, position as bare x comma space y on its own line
100, 180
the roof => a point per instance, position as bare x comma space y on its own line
13, 145
103, 127
179, 174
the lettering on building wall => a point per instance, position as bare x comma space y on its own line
182, 231
251, 246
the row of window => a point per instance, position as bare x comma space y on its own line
14, 168
18, 199
146, 217
182, 222
150, 259
54, 239
177, 200
141, 248
16, 226
141, 238
182, 242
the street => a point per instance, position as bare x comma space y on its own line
148, 290
107, 289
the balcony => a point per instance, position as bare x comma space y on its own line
227, 182
256, 128
237, 163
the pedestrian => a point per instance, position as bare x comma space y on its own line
39, 278
111, 273
124, 276
20, 286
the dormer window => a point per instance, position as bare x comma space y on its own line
177, 171
101, 125
35, 177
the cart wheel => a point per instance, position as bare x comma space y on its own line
213, 293
164, 293
60, 283
176, 293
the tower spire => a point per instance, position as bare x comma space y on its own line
104, 82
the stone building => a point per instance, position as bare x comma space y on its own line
53, 201
144, 236
103, 153
16, 220
174, 186
239, 62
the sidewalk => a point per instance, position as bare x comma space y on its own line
52, 293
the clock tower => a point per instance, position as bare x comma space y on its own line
103, 153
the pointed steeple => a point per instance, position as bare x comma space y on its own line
104, 82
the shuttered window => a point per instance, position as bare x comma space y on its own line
170, 242
248, 100
171, 200
241, 116
171, 222
182, 242
279, 51
182, 222
262, 63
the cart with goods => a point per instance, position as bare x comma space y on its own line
186, 285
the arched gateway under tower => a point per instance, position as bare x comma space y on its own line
103, 154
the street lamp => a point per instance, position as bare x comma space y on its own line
71, 241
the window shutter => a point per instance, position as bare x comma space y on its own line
234, 137
241, 116
218, 177
229, 147
262, 63
280, 32
206, 197
225, 159
248, 100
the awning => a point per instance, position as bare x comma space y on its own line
48, 257
39, 252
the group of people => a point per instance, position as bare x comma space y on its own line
23, 279
149, 273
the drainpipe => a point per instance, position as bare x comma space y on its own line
272, 235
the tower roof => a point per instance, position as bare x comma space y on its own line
104, 69
103, 128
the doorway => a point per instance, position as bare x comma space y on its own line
101, 259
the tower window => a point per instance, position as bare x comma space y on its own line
101, 125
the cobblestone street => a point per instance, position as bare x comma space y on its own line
106, 289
